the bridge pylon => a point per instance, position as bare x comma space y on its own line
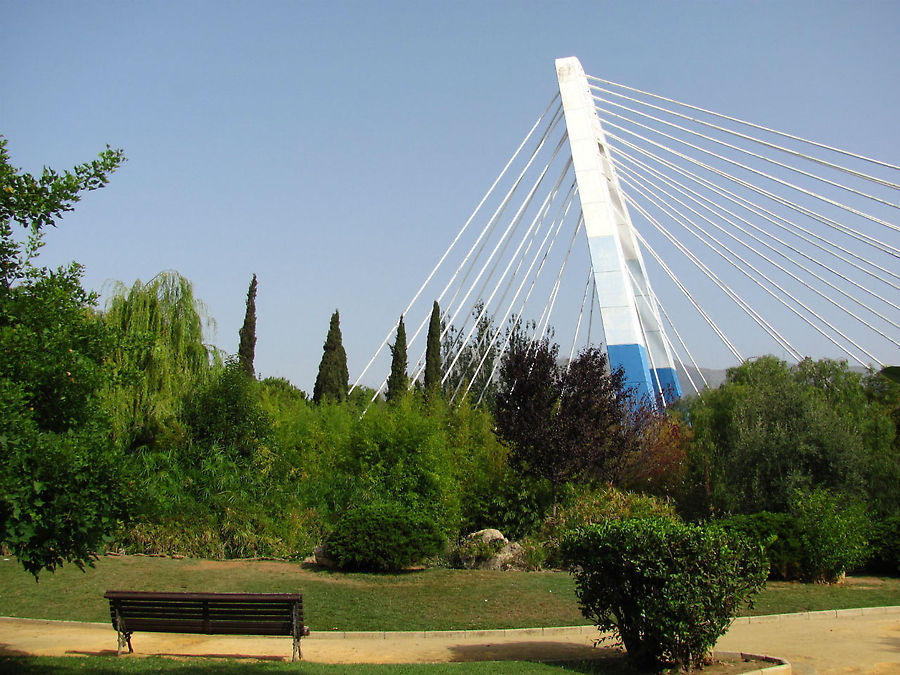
634, 335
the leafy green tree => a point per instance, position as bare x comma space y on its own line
61, 494
60, 484
398, 382
433, 352
333, 377
247, 347
770, 430
161, 356
36, 202
883, 454
471, 364
226, 413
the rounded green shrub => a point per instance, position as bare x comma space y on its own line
382, 538
667, 589
834, 534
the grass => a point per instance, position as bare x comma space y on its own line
433, 599
785, 597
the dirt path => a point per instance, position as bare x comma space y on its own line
846, 642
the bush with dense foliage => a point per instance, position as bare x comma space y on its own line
225, 412
588, 505
833, 533
884, 539
383, 537
777, 533
823, 536
668, 590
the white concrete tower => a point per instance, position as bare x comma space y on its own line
634, 335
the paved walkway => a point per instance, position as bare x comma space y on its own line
845, 642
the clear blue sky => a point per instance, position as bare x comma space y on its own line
334, 148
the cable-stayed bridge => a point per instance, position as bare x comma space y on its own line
671, 234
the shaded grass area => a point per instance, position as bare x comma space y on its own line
432, 599
65, 665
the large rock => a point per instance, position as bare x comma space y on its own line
488, 536
321, 556
490, 550
510, 557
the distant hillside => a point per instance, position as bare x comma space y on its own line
714, 377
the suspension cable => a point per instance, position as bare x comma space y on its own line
699, 199
459, 234
763, 174
539, 217
777, 221
749, 152
735, 256
751, 124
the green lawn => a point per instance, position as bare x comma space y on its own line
784, 597
433, 599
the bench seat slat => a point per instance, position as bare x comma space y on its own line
210, 628
252, 609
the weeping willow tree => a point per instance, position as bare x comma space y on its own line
161, 355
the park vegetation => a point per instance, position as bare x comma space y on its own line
121, 427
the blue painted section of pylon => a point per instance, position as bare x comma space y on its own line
633, 360
665, 383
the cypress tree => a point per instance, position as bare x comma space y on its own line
331, 382
433, 351
247, 348
398, 382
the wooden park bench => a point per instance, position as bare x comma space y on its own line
207, 613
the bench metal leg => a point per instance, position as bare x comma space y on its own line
296, 632
123, 637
